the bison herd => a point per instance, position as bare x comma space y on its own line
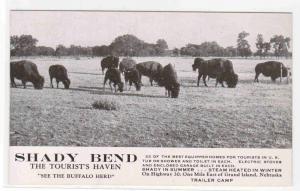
218, 68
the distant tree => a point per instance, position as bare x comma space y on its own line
281, 45
266, 48
204, 49
126, 45
161, 43
101, 50
161, 46
176, 52
259, 45
230, 51
44, 51
61, 50
22, 45
130, 45
243, 46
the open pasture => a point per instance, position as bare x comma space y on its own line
252, 115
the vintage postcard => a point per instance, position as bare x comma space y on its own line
150, 99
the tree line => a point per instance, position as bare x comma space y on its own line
130, 45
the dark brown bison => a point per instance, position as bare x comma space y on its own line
60, 73
168, 79
150, 69
109, 62
26, 71
218, 68
127, 64
114, 76
271, 68
133, 77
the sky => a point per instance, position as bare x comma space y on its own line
177, 28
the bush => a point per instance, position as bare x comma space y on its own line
106, 104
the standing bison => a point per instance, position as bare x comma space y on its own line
114, 76
218, 68
26, 71
60, 73
150, 69
271, 68
127, 64
109, 62
133, 77
168, 79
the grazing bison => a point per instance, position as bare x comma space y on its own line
127, 64
109, 62
150, 69
133, 76
270, 68
60, 73
114, 76
218, 68
168, 79
26, 71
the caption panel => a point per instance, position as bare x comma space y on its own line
149, 166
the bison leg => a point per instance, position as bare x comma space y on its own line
217, 81
51, 82
110, 86
57, 83
222, 84
273, 78
204, 81
115, 86
151, 81
24, 84
104, 82
130, 84
256, 77
12, 81
199, 77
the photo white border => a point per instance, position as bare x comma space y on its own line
148, 5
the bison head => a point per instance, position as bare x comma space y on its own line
120, 86
39, 83
175, 90
67, 83
231, 80
197, 63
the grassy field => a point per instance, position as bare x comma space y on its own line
252, 115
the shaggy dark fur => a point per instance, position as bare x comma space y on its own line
168, 79
150, 69
270, 68
59, 72
127, 64
114, 76
26, 71
109, 62
133, 76
218, 68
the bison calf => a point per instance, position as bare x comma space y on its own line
168, 79
133, 77
26, 71
60, 73
271, 69
114, 76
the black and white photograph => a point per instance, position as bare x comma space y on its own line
151, 79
